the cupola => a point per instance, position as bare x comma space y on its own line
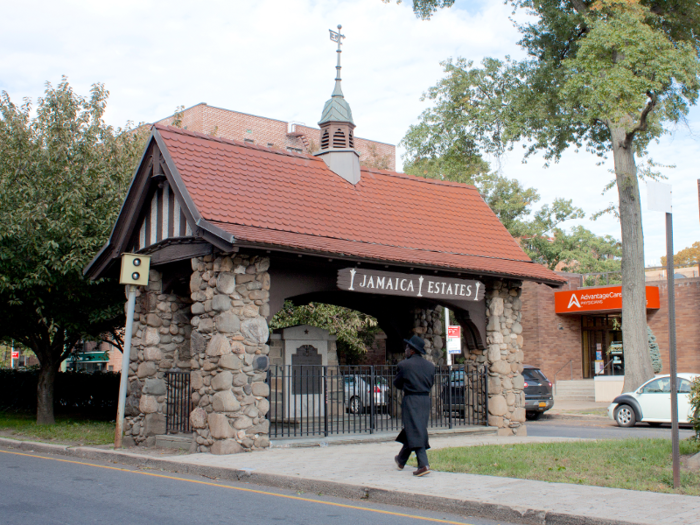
337, 128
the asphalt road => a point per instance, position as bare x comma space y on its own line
598, 428
45, 490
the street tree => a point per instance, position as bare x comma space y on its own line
605, 75
63, 175
686, 257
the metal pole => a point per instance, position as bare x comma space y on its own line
119, 430
12, 355
447, 327
672, 351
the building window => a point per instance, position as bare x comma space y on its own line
249, 141
325, 139
270, 144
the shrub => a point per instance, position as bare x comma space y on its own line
695, 404
93, 395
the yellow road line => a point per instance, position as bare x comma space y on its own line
438, 520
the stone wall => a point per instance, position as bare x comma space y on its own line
504, 356
161, 342
429, 325
230, 302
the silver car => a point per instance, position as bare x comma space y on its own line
359, 394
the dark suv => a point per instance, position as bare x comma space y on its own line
538, 392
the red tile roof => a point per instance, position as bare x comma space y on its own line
277, 198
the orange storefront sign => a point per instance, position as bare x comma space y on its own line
598, 299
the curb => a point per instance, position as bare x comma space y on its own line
466, 508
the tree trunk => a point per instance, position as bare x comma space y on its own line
45, 392
638, 367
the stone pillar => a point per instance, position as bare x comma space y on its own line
160, 342
230, 295
505, 358
428, 324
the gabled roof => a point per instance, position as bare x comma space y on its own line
254, 196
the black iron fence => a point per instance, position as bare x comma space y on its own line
310, 400
178, 402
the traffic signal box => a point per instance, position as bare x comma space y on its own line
135, 269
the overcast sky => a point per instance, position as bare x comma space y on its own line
274, 58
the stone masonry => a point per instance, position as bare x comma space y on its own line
161, 341
504, 357
428, 324
230, 301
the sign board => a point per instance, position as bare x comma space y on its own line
599, 367
409, 285
135, 269
599, 355
659, 197
454, 339
598, 299
15, 355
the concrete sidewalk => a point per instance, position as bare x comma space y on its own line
367, 471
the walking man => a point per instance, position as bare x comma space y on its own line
415, 377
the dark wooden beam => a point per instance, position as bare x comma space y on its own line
179, 252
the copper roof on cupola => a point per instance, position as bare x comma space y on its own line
201, 191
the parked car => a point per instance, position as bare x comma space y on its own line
651, 402
453, 392
538, 392
358, 393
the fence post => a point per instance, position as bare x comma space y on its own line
449, 394
371, 399
325, 400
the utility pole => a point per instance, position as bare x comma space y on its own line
659, 199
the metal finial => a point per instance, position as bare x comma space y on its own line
337, 37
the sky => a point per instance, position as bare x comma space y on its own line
274, 58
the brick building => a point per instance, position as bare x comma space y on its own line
568, 341
289, 136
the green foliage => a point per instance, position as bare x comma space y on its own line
695, 403
654, 351
91, 395
605, 75
686, 257
355, 330
63, 176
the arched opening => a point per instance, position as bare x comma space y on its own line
325, 139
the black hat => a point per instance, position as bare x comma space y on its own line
416, 343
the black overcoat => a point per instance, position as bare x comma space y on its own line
415, 377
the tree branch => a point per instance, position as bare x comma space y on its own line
643, 118
580, 6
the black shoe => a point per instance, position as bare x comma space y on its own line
398, 463
422, 471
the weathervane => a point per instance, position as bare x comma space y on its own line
337, 37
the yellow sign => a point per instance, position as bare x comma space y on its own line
135, 269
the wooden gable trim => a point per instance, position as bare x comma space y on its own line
156, 160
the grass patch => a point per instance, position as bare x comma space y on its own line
637, 464
68, 431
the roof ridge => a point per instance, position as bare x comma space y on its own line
417, 178
233, 142
528, 260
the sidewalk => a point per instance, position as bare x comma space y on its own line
367, 471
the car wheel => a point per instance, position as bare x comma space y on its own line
624, 415
533, 416
653, 424
355, 406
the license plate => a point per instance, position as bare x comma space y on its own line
543, 404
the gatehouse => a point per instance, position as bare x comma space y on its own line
235, 229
